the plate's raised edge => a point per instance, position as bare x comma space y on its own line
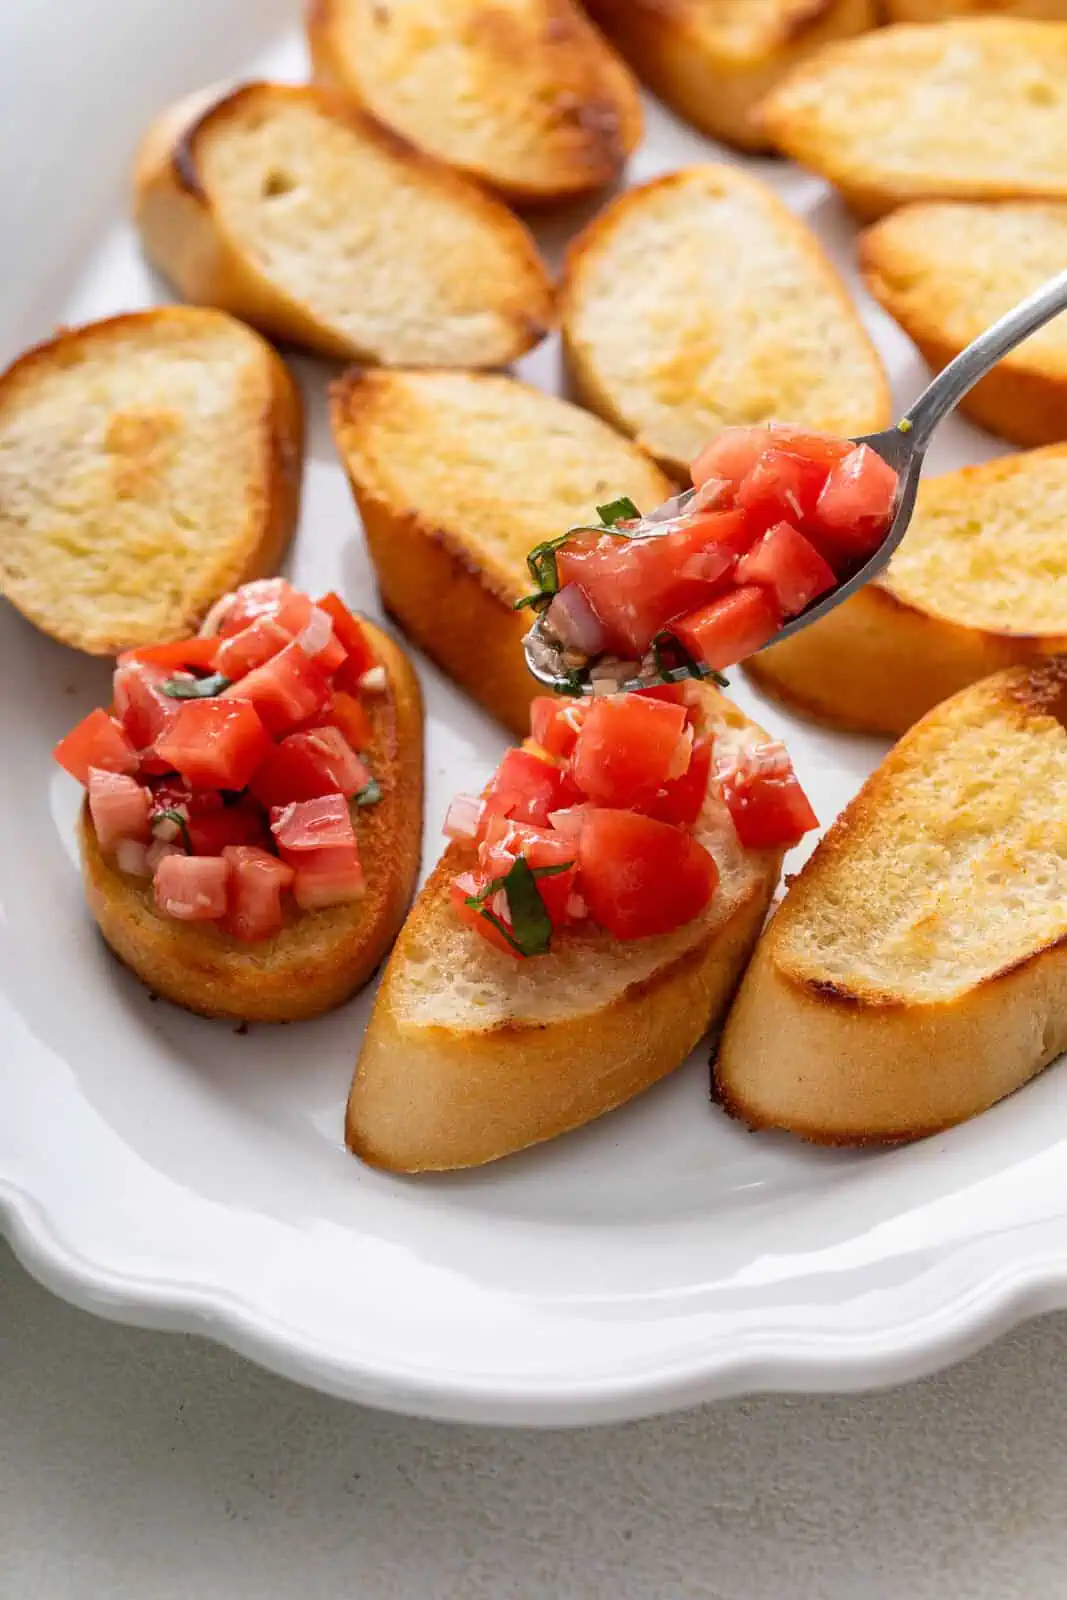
753, 1363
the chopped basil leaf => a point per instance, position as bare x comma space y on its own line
531, 927
674, 663
195, 688
175, 814
503, 929
370, 793
620, 510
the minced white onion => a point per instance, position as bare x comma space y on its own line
374, 680
463, 816
574, 622
132, 857
167, 828
159, 851
708, 496
577, 908
213, 621
316, 633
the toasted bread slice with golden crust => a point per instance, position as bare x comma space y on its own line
700, 300
290, 207
714, 60
458, 476
526, 96
947, 271
916, 971
944, 10
321, 957
470, 1055
148, 464
974, 109
979, 583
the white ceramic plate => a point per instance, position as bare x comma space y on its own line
165, 1170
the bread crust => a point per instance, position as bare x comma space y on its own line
320, 958
595, 128
185, 235
713, 85
838, 1061
273, 509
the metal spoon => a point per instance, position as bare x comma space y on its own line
903, 447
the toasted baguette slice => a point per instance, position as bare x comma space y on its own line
321, 957
943, 10
291, 208
148, 464
713, 61
458, 476
470, 1055
526, 97
916, 971
946, 272
699, 300
979, 583
968, 110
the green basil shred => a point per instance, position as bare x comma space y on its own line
674, 663
173, 814
620, 510
195, 688
530, 933
542, 558
370, 793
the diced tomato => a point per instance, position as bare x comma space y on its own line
183, 655
781, 487
254, 645
768, 808
192, 888
351, 635
265, 597
287, 690
856, 506
789, 566
527, 788
730, 455
318, 824
681, 799
505, 840
345, 712
641, 877
216, 743
466, 886
306, 766
257, 881
211, 833
637, 585
822, 448
626, 748
140, 704
97, 741
119, 807
171, 793
731, 628
554, 723
728, 529
330, 876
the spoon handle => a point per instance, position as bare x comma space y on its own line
951, 384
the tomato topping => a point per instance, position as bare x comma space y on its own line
505, 840
469, 884
306, 766
313, 824
681, 800
119, 807
192, 888
350, 634
731, 628
211, 833
789, 566
184, 655
822, 448
767, 803
265, 597
781, 487
255, 644
330, 876
554, 723
288, 689
345, 712
139, 702
254, 906
641, 877
171, 793
97, 741
215, 744
730, 455
527, 788
626, 749
856, 505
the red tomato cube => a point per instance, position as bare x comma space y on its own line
306, 766
140, 704
681, 800
313, 825
352, 636
212, 833
265, 597
780, 488
768, 811
255, 644
192, 888
347, 714
730, 455
330, 876
288, 689
626, 749
183, 655
527, 788
505, 840
640, 877
554, 723
119, 806
856, 506
731, 628
97, 741
467, 886
789, 566
257, 882
215, 744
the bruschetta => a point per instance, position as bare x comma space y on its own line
251, 829
916, 971
585, 927
149, 463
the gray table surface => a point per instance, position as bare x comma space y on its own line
145, 1466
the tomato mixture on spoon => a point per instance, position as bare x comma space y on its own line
780, 517
226, 769
597, 819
